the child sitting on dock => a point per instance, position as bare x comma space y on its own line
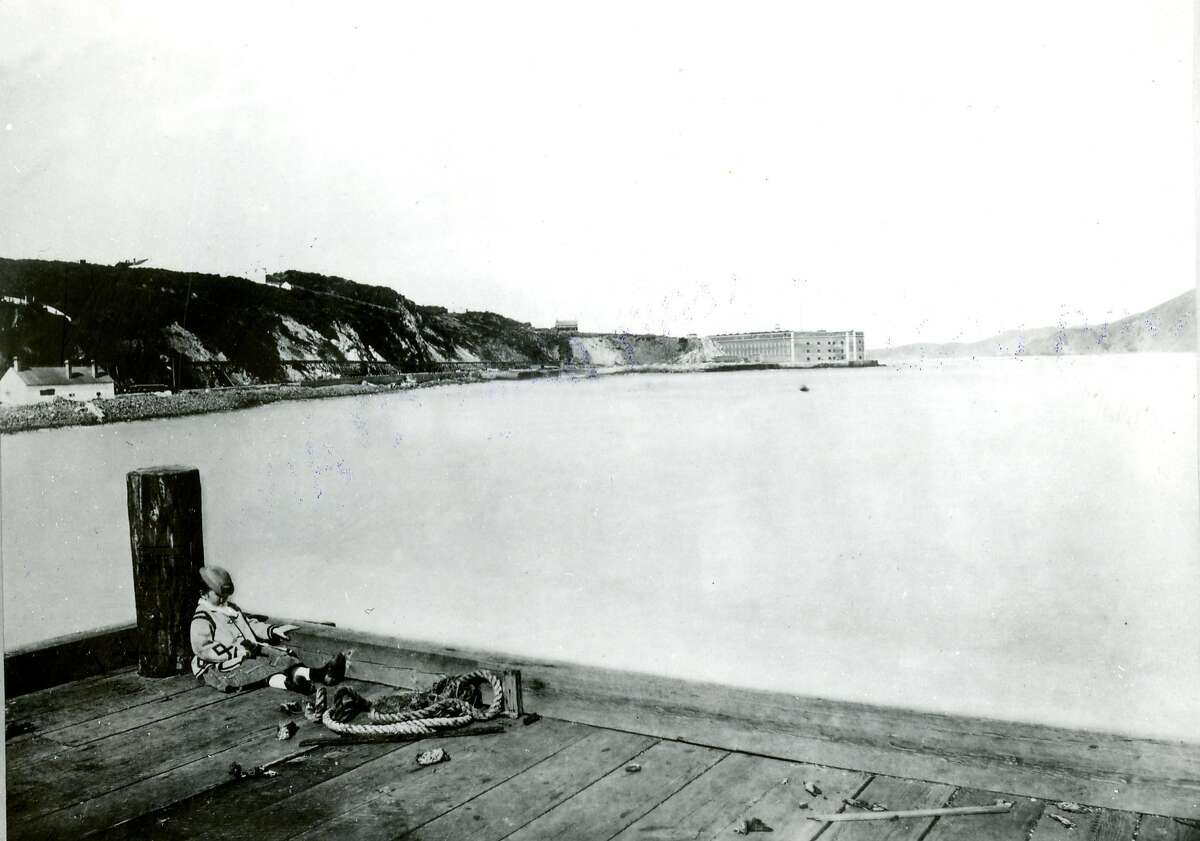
234, 651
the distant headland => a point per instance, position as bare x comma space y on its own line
126, 342
1168, 327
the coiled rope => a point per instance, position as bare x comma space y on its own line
451, 702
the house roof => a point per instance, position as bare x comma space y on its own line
57, 375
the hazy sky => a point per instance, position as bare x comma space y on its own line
921, 171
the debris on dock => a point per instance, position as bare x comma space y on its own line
1077, 808
432, 757
855, 803
752, 825
239, 773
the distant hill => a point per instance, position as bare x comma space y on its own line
147, 325
1170, 326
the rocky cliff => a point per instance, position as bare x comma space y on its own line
149, 325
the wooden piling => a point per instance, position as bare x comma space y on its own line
166, 539
514, 704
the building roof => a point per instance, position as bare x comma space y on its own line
772, 334
57, 375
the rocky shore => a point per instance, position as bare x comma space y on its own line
132, 407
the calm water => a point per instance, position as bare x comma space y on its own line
1007, 538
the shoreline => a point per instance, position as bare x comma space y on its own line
124, 408
61, 412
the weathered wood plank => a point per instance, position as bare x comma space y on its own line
786, 806
1149, 775
411, 669
183, 802
163, 801
62, 706
142, 798
122, 721
1013, 825
29, 749
55, 741
1048, 828
80, 773
369, 661
143, 714
509, 806
67, 695
789, 731
615, 801
895, 794
390, 795
1112, 825
1099, 825
1158, 828
390, 676
714, 800
69, 658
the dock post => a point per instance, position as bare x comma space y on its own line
514, 703
166, 539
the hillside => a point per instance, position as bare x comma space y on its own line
1170, 326
149, 325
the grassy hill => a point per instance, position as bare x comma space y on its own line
1170, 326
149, 325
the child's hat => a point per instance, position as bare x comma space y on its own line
218, 580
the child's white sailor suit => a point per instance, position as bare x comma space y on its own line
220, 633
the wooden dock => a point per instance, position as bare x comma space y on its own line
122, 756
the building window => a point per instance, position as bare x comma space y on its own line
46, 392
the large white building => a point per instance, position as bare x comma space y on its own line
37, 384
795, 347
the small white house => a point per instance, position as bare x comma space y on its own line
36, 384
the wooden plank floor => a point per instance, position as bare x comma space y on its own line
122, 757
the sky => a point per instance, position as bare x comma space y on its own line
922, 171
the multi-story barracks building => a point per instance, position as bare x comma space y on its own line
795, 347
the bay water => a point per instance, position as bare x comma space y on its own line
1012, 538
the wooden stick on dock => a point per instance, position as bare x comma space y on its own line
375, 740
912, 813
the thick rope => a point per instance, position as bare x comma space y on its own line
451, 702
